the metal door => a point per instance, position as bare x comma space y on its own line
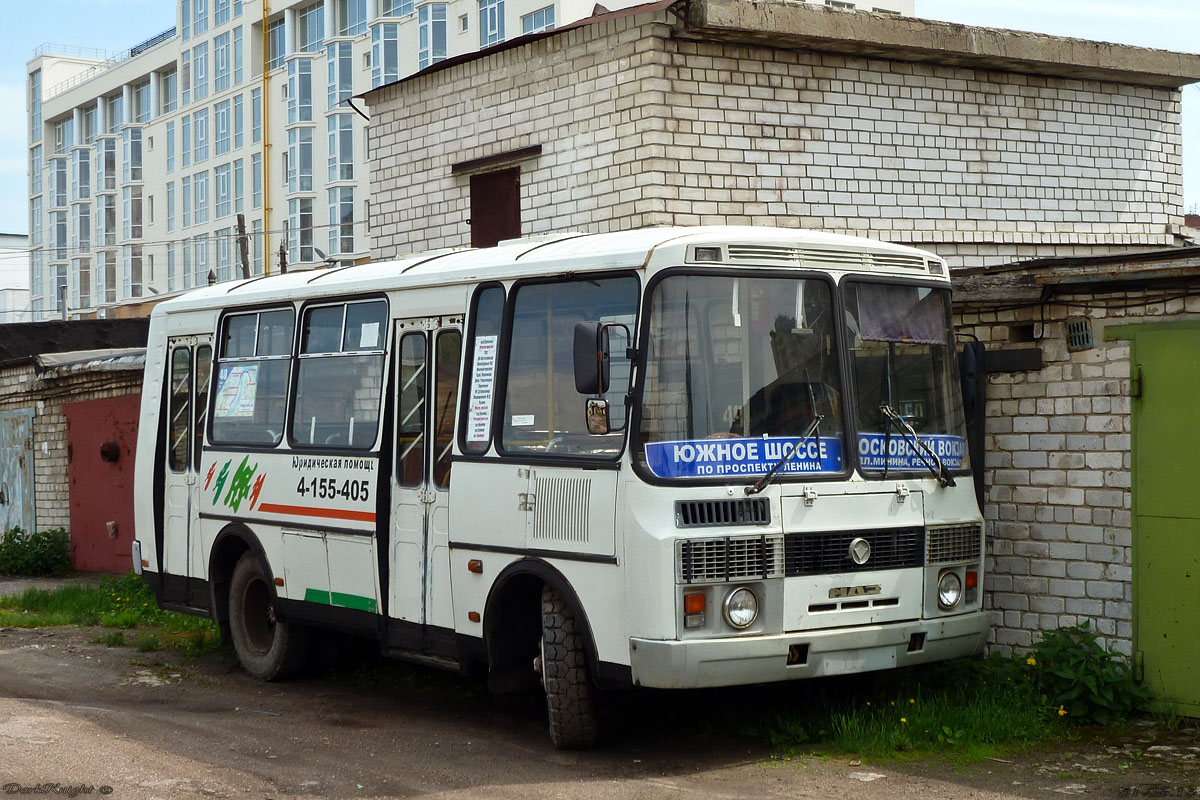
427, 354
16, 470
189, 363
1166, 507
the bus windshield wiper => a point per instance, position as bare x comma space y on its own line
763, 482
938, 469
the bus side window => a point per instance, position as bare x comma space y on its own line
487, 317
181, 412
449, 349
200, 400
410, 411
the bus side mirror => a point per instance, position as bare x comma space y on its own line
591, 357
597, 416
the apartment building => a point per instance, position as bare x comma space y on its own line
14, 278
141, 164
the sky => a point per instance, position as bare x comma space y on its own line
116, 25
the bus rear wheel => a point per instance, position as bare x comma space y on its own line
563, 665
269, 648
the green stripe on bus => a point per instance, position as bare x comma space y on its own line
354, 601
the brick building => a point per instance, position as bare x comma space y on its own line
985, 146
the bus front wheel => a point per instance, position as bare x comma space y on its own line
269, 648
563, 666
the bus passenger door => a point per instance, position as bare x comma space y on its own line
427, 356
188, 370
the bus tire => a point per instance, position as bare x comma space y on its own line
569, 701
269, 648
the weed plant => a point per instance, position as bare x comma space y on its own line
124, 603
1085, 681
41, 553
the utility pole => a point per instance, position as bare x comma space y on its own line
243, 245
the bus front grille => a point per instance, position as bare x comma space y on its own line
729, 558
950, 543
716, 513
829, 553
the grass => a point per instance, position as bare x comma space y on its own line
124, 603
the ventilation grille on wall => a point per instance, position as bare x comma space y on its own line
1079, 334
560, 513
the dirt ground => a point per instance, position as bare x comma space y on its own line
77, 716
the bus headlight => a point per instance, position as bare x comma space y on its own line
949, 589
741, 608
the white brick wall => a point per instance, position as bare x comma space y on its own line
639, 128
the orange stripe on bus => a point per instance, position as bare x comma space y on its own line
327, 513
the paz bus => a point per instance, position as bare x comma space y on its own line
670, 457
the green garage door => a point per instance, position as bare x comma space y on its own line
1166, 513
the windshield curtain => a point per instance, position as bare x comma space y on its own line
737, 370
902, 356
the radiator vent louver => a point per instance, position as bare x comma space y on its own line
829, 553
729, 558
951, 543
561, 510
719, 513
819, 257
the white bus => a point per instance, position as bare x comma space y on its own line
672, 457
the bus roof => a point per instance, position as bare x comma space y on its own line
538, 256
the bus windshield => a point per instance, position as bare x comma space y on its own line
738, 370
905, 377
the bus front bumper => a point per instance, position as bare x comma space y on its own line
695, 663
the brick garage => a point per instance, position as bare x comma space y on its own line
737, 113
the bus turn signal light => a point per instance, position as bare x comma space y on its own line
972, 579
693, 610
475, 565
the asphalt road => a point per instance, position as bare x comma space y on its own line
76, 715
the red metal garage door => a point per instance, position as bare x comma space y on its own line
101, 439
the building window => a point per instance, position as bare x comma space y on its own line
200, 187
35, 170
89, 132
538, 21
35, 221
185, 139
222, 175
258, 249
106, 220
220, 12
351, 17
131, 202
431, 34
185, 76
170, 206
170, 147
58, 182
81, 174
36, 273
58, 236
238, 193
341, 220
133, 270
256, 181
310, 28
340, 59
224, 254
395, 8
35, 106
199, 17
221, 64
114, 112
141, 102
106, 165
385, 54
300, 160
300, 231
106, 274
81, 227
131, 150
221, 124
237, 56
276, 44
172, 279
491, 22
256, 116
168, 87
81, 269
299, 88
238, 121
200, 135
64, 134
341, 147
200, 259
185, 194
200, 71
